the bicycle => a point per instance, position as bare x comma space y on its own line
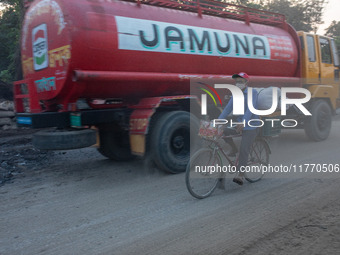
202, 177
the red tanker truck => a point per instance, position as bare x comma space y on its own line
119, 72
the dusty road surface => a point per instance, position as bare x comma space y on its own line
78, 202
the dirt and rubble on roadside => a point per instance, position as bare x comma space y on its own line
18, 155
7, 115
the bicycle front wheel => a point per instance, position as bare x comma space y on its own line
258, 156
202, 174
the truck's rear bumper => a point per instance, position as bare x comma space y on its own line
44, 120
73, 119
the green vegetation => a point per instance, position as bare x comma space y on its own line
305, 15
334, 31
10, 25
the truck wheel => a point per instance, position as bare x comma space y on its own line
318, 126
64, 139
171, 139
114, 144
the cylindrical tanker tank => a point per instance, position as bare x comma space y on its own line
116, 49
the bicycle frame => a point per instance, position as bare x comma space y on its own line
216, 147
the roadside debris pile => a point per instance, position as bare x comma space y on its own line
7, 115
18, 156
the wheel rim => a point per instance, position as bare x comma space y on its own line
180, 143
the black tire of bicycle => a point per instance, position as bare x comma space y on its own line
187, 173
267, 151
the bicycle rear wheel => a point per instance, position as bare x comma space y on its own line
201, 175
258, 156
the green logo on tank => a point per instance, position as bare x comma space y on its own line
40, 60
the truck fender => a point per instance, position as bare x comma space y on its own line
140, 119
327, 92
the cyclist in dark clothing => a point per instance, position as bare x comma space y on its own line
249, 133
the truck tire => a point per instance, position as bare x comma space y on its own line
114, 144
172, 137
318, 126
64, 139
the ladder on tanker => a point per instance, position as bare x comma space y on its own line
220, 9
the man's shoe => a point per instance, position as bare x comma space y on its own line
238, 180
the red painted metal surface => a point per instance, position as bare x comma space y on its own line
25, 96
141, 116
94, 49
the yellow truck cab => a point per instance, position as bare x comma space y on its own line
320, 67
320, 74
